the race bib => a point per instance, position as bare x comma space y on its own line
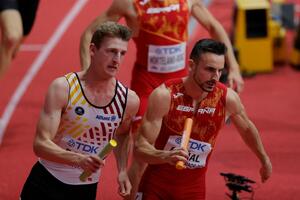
165, 59
198, 151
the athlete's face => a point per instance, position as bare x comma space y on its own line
206, 73
109, 55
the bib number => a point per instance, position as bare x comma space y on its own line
166, 59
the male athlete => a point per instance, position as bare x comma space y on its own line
82, 112
208, 102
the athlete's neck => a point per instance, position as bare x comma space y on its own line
193, 90
95, 83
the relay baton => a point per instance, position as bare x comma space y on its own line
105, 151
185, 139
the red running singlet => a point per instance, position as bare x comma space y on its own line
164, 181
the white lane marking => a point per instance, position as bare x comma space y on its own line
37, 65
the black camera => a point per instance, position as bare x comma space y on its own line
237, 183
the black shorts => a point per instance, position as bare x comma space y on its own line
40, 184
27, 9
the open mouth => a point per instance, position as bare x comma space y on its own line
113, 66
211, 83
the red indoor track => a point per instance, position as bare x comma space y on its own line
272, 101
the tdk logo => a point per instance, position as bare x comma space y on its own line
111, 118
83, 147
193, 145
169, 50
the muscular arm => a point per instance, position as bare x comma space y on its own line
248, 132
122, 137
44, 145
158, 107
216, 30
114, 13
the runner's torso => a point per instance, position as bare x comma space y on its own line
162, 35
85, 128
207, 121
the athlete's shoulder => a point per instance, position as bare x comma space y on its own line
132, 96
60, 84
221, 90
233, 102
133, 103
58, 92
231, 95
221, 86
159, 101
160, 95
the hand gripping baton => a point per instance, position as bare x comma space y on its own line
185, 139
105, 151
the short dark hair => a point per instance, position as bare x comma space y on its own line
110, 29
207, 45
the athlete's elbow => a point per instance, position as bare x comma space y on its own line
86, 36
37, 148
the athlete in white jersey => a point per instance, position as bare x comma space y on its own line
82, 112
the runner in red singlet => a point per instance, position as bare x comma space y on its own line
208, 102
161, 46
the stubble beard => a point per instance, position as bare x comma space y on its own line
202, 85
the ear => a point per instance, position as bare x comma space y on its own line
93, 49
192, 65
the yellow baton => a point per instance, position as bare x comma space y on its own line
105, 151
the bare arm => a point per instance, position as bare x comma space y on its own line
122, 137
113, 13
44, 145
248, 132
158, 107
216, 30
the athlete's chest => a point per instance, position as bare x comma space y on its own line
208, 114
160, 13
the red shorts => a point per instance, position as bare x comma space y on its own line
144, 82
170, 186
